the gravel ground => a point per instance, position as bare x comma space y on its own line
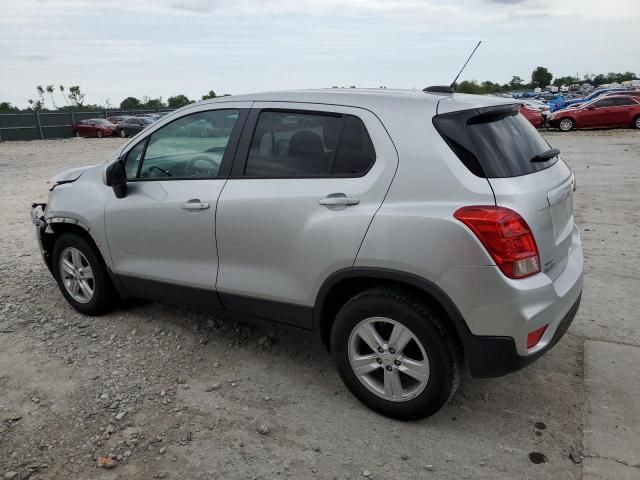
155, 391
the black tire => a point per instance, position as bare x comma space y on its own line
104, 295
444, 355
122, 133
99, 134
76, 134
636, 122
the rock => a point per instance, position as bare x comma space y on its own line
181, 380
404, 457
211, 388
575, 455
104, 396
10, 475
110, 429
366, 473
428, 468
120, 416
127, 453
162, 450
265, 342
106, 462
234, 384
216, 364
264, 430
537, 457
540, 425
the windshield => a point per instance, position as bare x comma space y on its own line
100, 121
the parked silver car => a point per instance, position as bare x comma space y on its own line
414, 231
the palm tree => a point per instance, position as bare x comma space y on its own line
61, 87
50, 92
40, 91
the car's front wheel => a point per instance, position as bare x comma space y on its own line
123, 134
394, 354
636, 122
566, 124
82, 276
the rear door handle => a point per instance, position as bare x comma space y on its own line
339, 200
195, 204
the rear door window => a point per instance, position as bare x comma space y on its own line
496, 144
309, 144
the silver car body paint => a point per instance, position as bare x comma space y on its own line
277, 243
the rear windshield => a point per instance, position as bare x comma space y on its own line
494, 144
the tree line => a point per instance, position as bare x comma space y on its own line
60, 98
541, 77
73, 97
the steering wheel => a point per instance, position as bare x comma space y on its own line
193, 170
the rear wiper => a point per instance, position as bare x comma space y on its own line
544, 156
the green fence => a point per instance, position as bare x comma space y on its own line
43, 125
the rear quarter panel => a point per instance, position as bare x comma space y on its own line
415, 231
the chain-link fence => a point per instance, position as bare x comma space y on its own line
43, 125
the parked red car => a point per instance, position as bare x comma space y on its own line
533, 115
628, 93
608, 112
93, 127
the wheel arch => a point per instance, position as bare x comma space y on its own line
59, 226
344, 284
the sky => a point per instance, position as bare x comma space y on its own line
119, 48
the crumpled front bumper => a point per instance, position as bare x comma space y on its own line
37, 218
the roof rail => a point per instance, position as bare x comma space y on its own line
439, 89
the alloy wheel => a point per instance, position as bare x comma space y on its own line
388, 359
566, 124
77, 275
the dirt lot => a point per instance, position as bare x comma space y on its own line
171, 393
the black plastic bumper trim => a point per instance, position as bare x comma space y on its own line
490, 357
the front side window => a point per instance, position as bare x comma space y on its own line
133, 159
191, 146
300, 144
607, 102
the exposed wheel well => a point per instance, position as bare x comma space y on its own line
340, 292
59, 229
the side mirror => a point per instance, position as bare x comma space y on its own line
117, 179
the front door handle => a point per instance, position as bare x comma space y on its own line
338, 200
195, 204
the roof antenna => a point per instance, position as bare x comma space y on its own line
450, 88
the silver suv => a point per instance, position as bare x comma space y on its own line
415, 231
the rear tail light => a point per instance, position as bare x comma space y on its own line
506, 236
534, 337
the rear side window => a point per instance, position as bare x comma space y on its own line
494, 143
622, 102
300, 144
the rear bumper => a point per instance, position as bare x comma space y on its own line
498, 312
490, 357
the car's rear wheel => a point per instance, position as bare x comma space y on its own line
395, 354
82, 276
636, 122
99, 134
123, 134
76, 133
566, 124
